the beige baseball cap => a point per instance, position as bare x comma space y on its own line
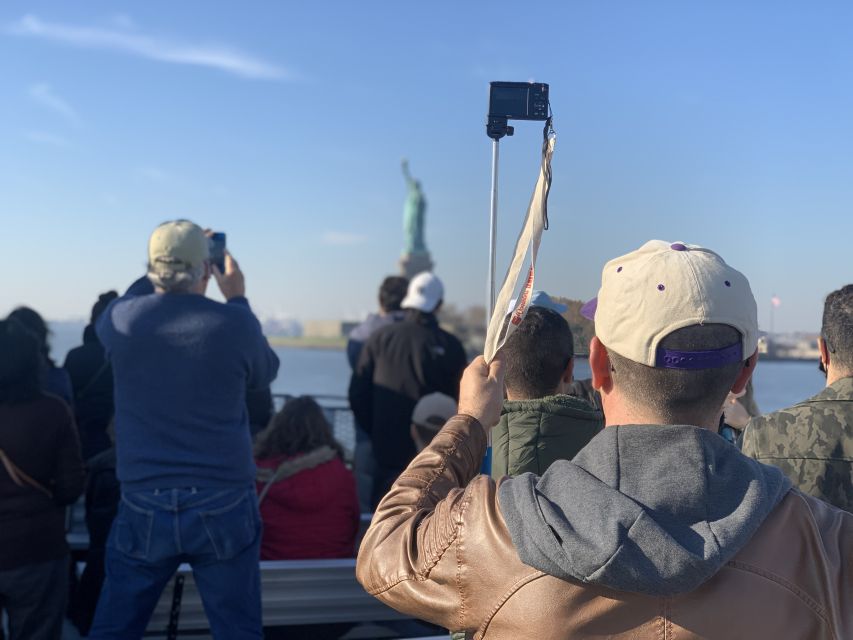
178, 245
433, 410
647, 294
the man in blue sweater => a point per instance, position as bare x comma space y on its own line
182, 364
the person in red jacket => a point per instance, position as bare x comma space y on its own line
308, 499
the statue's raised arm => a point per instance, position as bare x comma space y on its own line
410, 182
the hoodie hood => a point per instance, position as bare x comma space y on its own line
648, 509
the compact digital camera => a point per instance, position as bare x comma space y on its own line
518, 100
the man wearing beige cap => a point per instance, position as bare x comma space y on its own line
658, 528
182, 364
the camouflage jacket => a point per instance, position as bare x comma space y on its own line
811, 442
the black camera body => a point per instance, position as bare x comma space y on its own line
515, 101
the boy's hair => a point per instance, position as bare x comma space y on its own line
537, 354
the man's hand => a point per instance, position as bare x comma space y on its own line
481, 392
232, 284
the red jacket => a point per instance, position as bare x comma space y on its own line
312, 514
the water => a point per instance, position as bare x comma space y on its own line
777, 384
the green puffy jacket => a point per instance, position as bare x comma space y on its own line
534, 433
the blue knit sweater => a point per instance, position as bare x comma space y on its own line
182, 364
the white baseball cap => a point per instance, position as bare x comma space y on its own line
424, 293
647, 294
433, 410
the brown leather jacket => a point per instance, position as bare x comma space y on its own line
439, 549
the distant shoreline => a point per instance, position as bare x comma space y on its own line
329, 344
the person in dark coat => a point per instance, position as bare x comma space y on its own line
54, 379
400, 364
391, 294
41, 472
92, 382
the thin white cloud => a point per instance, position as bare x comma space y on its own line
43, 137
342, 238
44, 95
154, 174
134, 43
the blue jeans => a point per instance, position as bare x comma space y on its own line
217, 531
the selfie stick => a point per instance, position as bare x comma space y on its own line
496, 128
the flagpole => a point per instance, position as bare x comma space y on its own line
772, 310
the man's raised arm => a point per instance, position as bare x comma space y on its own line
410, 554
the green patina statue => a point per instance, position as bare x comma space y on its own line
414, 213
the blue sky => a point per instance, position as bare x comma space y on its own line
725, 124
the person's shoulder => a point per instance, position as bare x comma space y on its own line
77, 352
389, 331
780, 421
451, 339
799, 529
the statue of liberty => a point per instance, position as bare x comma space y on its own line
414, 213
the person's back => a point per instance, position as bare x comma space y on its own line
539, 422
658, 528
812, 442
182, 365
92, 384
40, 473
400, 364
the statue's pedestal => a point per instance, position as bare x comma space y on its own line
411, 264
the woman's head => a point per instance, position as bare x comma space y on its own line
20, 363
299, 427
35, 324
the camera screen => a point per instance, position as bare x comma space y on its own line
508, 101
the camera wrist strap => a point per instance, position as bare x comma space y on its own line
504, 320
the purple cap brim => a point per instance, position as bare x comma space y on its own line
588, 310
711, 359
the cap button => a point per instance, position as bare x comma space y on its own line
677, 246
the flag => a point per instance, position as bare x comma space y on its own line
775, 301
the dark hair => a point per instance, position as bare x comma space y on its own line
35, 324
837, 330
391, 293
680, 396
537, 354
20, 363
299, 427
100, 306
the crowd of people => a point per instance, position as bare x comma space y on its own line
632, 504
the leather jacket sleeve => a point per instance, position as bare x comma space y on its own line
414, 555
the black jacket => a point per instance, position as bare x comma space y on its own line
399, 364
92, 381
40, 439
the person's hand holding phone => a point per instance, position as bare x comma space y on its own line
231, 283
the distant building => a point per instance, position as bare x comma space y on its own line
327, 328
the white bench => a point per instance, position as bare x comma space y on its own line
293, 591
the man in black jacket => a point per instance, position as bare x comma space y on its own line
399, 364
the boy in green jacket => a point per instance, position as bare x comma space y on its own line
539, 422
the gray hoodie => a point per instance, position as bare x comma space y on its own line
642, 508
